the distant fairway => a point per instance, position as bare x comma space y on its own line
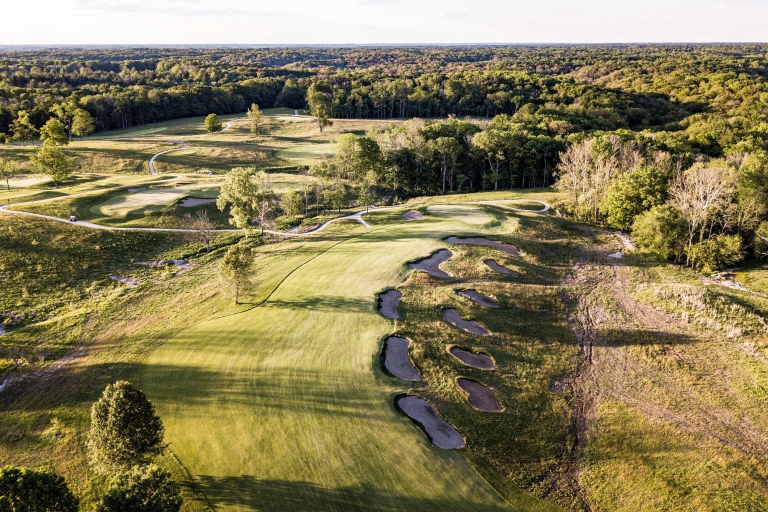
307, 152
285, 407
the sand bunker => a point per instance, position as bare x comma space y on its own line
440, 432
396, 359
501, 269
414, 215
128, 281
133, 190
507, 248
454, 318
431, 265
480, 397
388, 303
479, 298
480, 361
189, 202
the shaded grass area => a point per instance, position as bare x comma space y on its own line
96, 331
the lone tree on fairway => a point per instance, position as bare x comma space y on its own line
319, 106
147, 489
237, 266
22, 128
50, 160
125, 431
7, 171
76, 120
256, 118
212, 123
201, 228
32, 490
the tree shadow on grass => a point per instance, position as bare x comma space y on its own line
281, 495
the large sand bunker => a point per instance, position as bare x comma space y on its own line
432, 264
189, 202
396, 359
414, 215
479, 298
501, 269
440, 432
454, 318
388, 302
480, 361
507, 248
480, 397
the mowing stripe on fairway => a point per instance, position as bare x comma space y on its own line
284, 406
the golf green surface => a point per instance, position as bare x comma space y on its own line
285, 406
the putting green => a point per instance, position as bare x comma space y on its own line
285, 407
466, 214
146, 200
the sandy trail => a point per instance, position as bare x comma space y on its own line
431, 265
440, 432
503, 247
396, 359
454, 318
479, 396
480, 361
388, 302
479, 298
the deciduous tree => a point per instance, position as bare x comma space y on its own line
34, 490
200, 228
125, 430
255, 117
50, 160
7, 171
240, 193
22, 128
212, 123
237, 267
53, 130
147, 489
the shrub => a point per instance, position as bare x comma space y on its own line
143, 489
660, 231
32, 490
716, 253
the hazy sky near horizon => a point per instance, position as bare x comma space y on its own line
382, 21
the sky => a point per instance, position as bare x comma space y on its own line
72, 22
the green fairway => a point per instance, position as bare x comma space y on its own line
285, 407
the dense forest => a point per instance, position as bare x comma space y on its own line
633, 134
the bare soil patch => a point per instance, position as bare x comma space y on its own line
440, 432
396, 359
479, 298
414, 215
388, 302
189, 202
480, 361
471, 326
432, 264
501, 269
479, 396
503, 247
